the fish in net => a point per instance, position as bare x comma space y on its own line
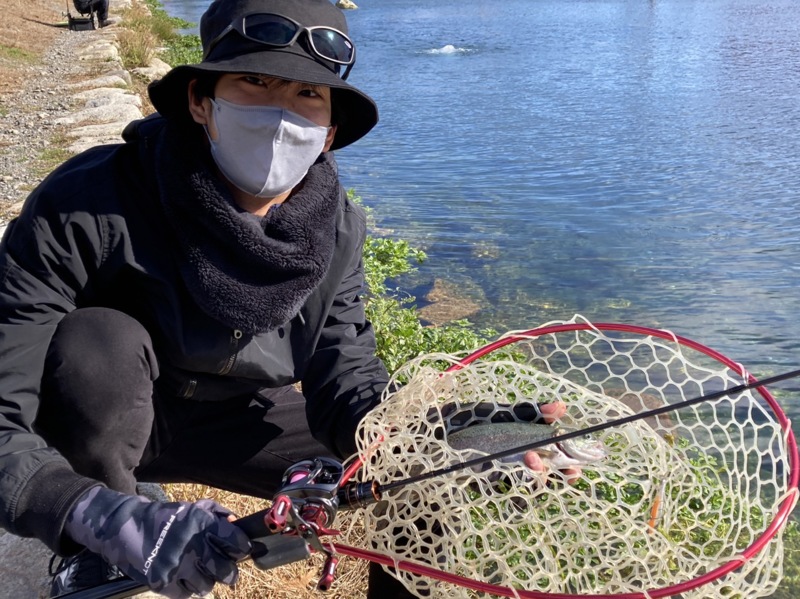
686, 501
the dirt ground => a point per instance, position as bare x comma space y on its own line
26, 29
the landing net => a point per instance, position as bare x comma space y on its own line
693, 501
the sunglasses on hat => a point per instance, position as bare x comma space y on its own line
279, 32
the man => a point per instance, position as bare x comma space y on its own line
100, 7
160, 298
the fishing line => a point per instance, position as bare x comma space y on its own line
584, 431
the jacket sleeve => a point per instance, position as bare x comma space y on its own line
345, 378
45, 261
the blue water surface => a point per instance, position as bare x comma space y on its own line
629, 160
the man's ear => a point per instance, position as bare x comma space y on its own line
329, 138
200, 109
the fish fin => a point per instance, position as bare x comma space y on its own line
546, 453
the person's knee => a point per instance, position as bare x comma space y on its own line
100, 346
100, 362
96, 400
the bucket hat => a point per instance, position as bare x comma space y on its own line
231, 52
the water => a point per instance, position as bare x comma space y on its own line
627, 160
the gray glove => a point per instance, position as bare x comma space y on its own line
176, 549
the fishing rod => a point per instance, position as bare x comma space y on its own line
377, 489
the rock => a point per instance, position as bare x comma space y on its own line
101, 51
114, 113
112, 80
346, 4
23, 567
153, 491
100, 96
85, 143
156, 70
108, 129
448, 303
122, 74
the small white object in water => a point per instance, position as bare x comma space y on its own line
448, 49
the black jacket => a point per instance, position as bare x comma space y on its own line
94, 234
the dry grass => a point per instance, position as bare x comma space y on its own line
137, 42
26, 30
137, 48
295, 581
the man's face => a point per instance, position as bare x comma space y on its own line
310, 101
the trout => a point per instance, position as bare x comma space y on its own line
492, 438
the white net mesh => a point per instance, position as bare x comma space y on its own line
676, 496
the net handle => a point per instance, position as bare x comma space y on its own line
786, 506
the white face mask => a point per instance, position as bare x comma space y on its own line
264, 150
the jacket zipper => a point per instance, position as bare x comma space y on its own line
233, 347
188, 389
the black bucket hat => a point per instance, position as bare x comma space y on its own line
356, 113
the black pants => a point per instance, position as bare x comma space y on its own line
86, 6
101, 408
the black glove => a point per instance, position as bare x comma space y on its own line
176, 548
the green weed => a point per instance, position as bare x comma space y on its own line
13, 53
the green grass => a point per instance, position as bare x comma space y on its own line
52, 156
12, 53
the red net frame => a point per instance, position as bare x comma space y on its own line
775, 526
